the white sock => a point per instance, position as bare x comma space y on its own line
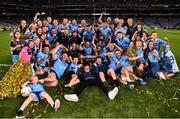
53, 105
140, 79
128, 79
21, 109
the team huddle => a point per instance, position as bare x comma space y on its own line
106, 54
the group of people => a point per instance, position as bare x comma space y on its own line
106, 54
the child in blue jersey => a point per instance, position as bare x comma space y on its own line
57, 69
126, 71
154, 59
38, 93
122, 41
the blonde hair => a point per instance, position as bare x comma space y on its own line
166, 40
31, 79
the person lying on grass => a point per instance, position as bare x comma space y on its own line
38, 93
89, 78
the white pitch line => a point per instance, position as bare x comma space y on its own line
5, 65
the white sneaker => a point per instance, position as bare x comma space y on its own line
20, 117
161, 76
124, 78
129, 80
112, 94
71, 97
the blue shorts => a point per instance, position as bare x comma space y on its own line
155, 67
37, 96
113, 67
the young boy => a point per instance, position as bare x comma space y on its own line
38, 93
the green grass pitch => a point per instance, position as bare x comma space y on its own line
157, 99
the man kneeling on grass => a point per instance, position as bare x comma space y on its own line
89, 78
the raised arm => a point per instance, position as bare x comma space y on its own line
94, 46
64, 48
119, 48
100, 18
36, 15
53, 51
81, 46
